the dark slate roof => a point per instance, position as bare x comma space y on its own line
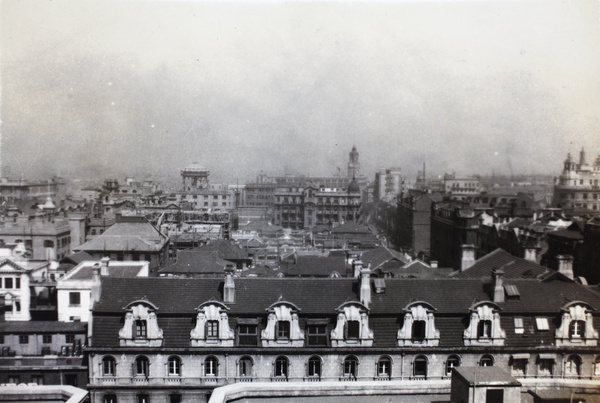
77, 258
42, 327
225, 250
513, 266
197, 262
381, 255
120, 271
566, 233
322, 266
127, 236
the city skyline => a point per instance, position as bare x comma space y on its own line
145, 88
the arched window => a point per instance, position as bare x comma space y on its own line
281, 367
597, 366
486, 361
109, 366
350, 367
384, 367
314, 367
110, 398
174, 366
211, 366
245, 366
573, 366
142, 366
420, 367
452, 362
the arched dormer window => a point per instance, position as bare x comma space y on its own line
352, 327
283, 327
419, 326
212, 326
484, 325
141, 326
577, 326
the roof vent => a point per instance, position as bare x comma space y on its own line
379, 285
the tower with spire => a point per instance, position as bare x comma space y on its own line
353, 164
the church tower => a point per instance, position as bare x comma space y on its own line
353, 164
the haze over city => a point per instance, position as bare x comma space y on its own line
144, 88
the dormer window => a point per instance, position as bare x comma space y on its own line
283, 326
352, 326
418, 327
212, 326
141, 326
484, 325
577, 327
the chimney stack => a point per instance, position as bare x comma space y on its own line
565, 265
104, 266
468, 257
229, 288
365, 286
498, 285
96, 283
531, 254
357, 267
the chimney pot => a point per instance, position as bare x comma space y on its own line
498, 284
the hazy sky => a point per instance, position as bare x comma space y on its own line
147, 87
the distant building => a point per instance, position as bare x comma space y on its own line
413, 222
577, 186
388, 184
463, 189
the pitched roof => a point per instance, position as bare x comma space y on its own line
196, 262
77, 257
318, 266
381, 255
513, 266
351, 227
127, 236
225, 250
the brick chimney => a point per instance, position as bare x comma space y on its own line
498, 285
565, 265
468, 257
104, 266
229, 288
365, 286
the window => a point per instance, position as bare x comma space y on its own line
70, 379
109, 399
23, 339
352, 329
143, 399
350, 367
518, 366
212, 329
418, 330
542, 324
577, 329
37, 379
420, 366
174, 366
452, 362
8, 282
519, 326
597, 366
108, 366
141, 329
283, 329
314, 367
69, 338
573, 366
210, 366
142, 366
245, 367
484, 329
14, 379
247, 335
175, 398
545, 366
281, 367
47, 339
18, 282
486, 361
384, 367
48, 244
317, 335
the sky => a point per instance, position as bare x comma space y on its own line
144, 88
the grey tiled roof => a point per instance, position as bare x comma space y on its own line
513, 266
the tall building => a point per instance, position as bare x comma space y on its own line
577, 186
388, 184
353, 164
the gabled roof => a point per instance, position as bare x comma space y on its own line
317, 266
513, 266
77, 258
197, 262
12, 266
381, 255
350, 227
127, 236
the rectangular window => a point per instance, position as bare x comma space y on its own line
484, 328
140, 329
14, 379
18, 282
74, 299
23, 339
47, 339
37, 379
352, 329
418, 330
545, 367
283, 329
69, 338
212, 329
519, 326
143, 399
542, 324
8, 282
317, 335
247, 335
